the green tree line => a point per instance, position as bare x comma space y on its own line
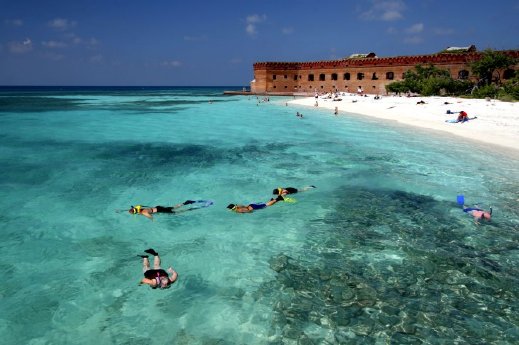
430, 80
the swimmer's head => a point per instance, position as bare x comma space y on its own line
164, 282
486, 215
132, 210
231, 207
278, 191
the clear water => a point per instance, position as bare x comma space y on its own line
378, 253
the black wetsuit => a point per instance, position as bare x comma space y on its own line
162, 209
291, 190
153, 273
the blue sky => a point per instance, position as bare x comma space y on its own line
213, 43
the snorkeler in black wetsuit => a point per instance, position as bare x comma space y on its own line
290, 190
156, 277
148, 212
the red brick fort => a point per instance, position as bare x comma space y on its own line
368, 71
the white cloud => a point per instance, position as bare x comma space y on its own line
92, 42
252, 22
20, 47
386, 10
53, 44
62, 24
414, 29
171, 63
96, 58
14, 22
413, 40
287, 31
391, 15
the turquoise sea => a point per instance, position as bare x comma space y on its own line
378, 253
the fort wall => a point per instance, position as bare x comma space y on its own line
346, 75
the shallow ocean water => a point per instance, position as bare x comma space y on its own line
378, 253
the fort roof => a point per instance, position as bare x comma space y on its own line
444, 57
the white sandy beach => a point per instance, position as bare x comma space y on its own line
497, 122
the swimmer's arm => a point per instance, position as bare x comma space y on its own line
174, 275
273, 201
146, 214
147, 281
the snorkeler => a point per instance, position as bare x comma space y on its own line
148, 211
251, 207
156, 277
290, 190
478, 213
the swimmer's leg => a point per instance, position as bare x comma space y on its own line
309, 187
156, 262
156, 258
145, 264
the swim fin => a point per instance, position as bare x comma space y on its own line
151, 251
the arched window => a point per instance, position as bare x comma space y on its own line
310, 77
322, 77
390, 75
360, 76
463, 74
334, 76
374, 76
346, 76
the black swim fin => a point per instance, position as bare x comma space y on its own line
143, 256
151, 251
188, 202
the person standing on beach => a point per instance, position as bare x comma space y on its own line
156, 277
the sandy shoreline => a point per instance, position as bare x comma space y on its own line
497, 122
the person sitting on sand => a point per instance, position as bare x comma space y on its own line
462, 117
251, 207
148, 211
156, 277
478, 213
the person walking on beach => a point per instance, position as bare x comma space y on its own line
290, 190
252, 207
156, 277
478, 213
148, 211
